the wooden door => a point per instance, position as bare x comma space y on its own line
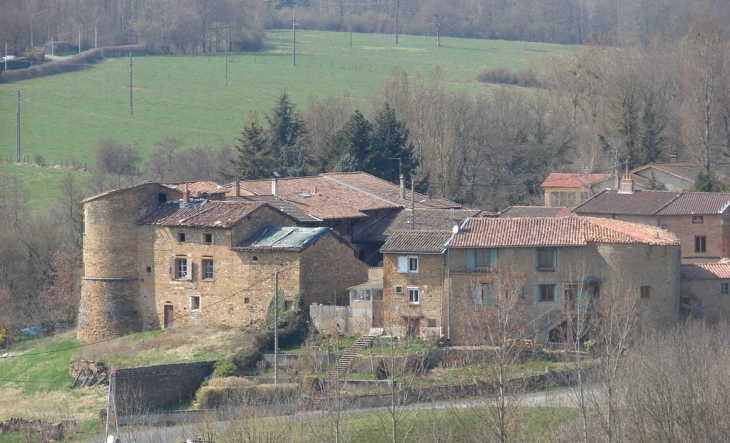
168, 316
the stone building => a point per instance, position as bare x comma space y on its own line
433, 280
155, 257
706, 291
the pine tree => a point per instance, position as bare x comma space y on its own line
348, 148
288, 139
254, 159
389, 141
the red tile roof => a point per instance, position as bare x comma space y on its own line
423, 220
535, 211
116, 191
706, 271
210, 214
697, 203
569, 180
559, 231
611, 201
388, 191
424, 242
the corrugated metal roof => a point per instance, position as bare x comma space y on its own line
425, 242
706, 271
560, 231
203, 214
281, 238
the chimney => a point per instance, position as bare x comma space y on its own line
275, 187
238, 189
315, 189
402, 187
186, 194
673, 157
627, 185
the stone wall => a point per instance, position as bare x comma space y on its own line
139, 390
704, 300
715, 229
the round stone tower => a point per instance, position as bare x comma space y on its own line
109, 304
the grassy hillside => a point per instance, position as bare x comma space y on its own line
38, 186
63, 116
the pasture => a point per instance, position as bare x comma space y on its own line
63, 116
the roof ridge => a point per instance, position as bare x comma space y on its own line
360, 190
669, 202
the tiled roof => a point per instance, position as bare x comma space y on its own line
284, 206
424, 242
706, 271
639, 203
558, 231
209, 214
199, 187
685, 170
535, 211
698, 203
388, 191
568, 180
281, 238
423, 220
116, 191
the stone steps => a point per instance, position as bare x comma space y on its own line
342, 368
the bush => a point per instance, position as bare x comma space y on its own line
246, 359
499, 74
263, 340
225, 368
312, 384
258, 395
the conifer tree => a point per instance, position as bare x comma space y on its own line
254, 159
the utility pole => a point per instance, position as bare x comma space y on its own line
226, 58
350, 31
397, 3
52, 53
276, 327
17, 127
131, 109
294, 48
96, 38
79, 40
6, 56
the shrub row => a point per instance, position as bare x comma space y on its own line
523, 77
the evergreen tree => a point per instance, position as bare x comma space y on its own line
254, 159
348, 148
708, 182
288, 139
389, 141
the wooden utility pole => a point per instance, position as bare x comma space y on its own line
17, 126
276, 327
131, 109
397, 3
226, 59
294, 48
350, 31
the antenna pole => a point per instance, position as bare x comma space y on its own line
276, 327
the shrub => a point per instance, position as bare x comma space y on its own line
258, 395
500, 74
312, 384
263, 340
246, 359
225, 368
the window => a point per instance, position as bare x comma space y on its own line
724, 288
207, 269
399, 289
562, 198
698, 219
700, 244
480, 258
413, 296
361, 295
208, 238
483, 295
408, 264
246, 300
181, 268
584, 196
254, 259
645, 292
547, 293
181, 237
149, 269
194, 303
547, 259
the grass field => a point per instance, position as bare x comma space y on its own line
38, 186
63, 116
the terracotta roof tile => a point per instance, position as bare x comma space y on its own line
706, 271
284, 206
639, 203
423, 220
425, 242
210, 214
698, 203
535, 211
559, 231
116, 191
569, 180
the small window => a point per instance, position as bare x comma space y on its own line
724, 288
207, 269
698, 219
208, 238
547, 259
181, 237
546, 293
162, 197
408, 264
399, 289
149, 269
645, 292
254, 259
413, 296
700, 244
194, 303
246, 300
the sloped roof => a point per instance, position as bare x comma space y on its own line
571, 180
698, 203
611, 201
535, 211
685, 170
199, 187
557, 231
281, 238
424, 242
203, 214
388, 191
423, 220
377, 283
284, 206
706, 271
118, 191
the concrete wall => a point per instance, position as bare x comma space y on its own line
330, 319
139, 390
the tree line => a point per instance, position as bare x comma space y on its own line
191, 26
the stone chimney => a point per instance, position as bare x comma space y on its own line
402, 187
627, 185
186, 194
275, 187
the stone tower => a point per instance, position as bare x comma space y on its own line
109, 304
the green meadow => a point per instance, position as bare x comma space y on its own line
63, 116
